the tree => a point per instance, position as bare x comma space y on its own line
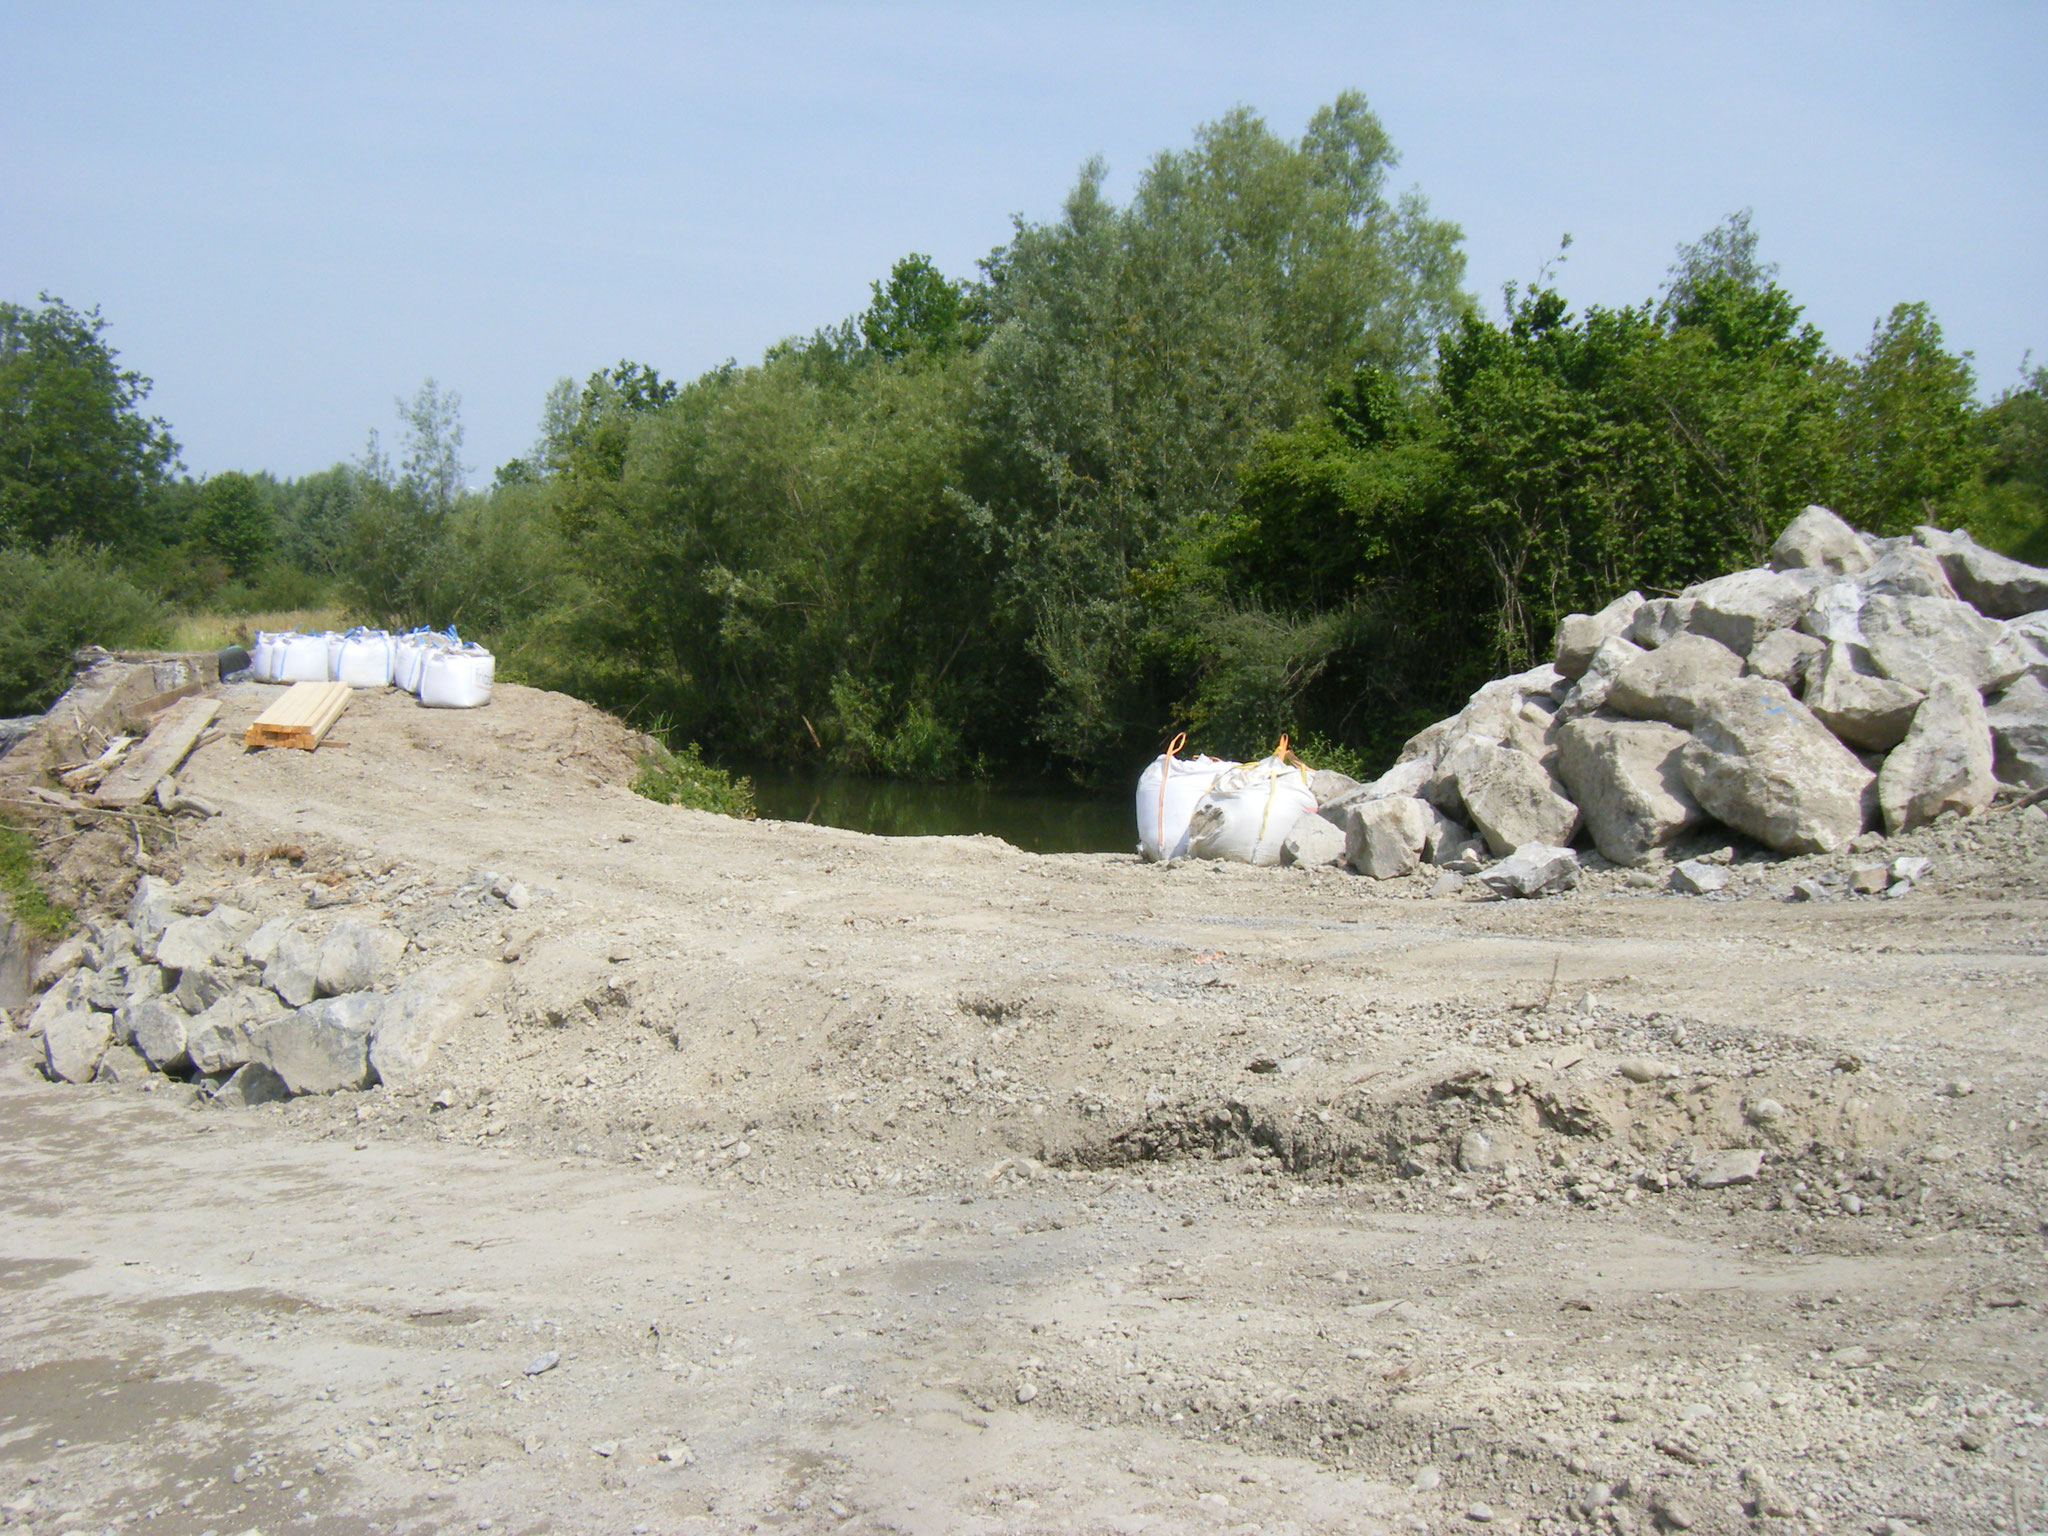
233, 520
1913, 448
921, 310
77, 456
433, 467
1727, 252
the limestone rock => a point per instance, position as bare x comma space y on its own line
55, 964
1449, 840
201, 986
251, 1084
1920, 640
1906, 570
1691, 877
157, 1029
1784, 656
2030, 634
356, 957
1312, 841
1998, 587
294, 970
194, 941
322, 1046
1441, 789
1864, 710
121, 1064
1760, 762
424, 1009
260, 948
1579, 635
1406, 778
1512, 800
224, 1037
74, 1042
1328, 784
1739, 1166
1535, 869
1818, 540
1589, 693
1943, 765
1668, 683
72, 994
2018, 716
1740, 609
1660, 621
150, 910
1626, 778
1384, 838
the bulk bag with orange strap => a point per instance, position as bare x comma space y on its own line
1167, 792
1247, 813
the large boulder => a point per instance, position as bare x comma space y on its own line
1668, 683
1817, 540
424, 1009
1740, 609
2030, 633
1404, 778
73, 1043
321, 1047
1863, 709
1660, 621
260, 948
150, 910
252, 1084
224, 1037
1919, 641
1328, 784
1441, 788
1579, 635
356, 957
1945, 763
1312, 841
1512, 800
1384, 838
72, 993
1906, 570
1589, 693
157, 1028
1784, 656
2018, 716
1994, 585
195, 941
293, 971
1760, 762
1625, 776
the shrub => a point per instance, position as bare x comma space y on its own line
684, 778
51, 604
20, 880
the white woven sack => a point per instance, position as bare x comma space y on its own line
1247, 813
457, 679
1168, 790
303, 659
364, 660
265, 654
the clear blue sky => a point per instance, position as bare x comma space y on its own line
292, 214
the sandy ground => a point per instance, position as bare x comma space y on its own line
785, 1179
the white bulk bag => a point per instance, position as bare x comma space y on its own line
266, 653
457, 679
1167, 792
364, 660
408, 655
335, 641
1247, 813
302, 659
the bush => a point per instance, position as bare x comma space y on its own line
684, 778
20, 879
52, 604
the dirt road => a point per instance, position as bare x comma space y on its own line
931, 1186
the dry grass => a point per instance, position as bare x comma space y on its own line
211, 631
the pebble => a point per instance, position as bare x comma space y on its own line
605, 1448
1482, 1513
1642, 1069
1958, 1088
1674, 1514
1851, 1202
1428, 1478
678, 1455
546, 1362
1027, 1392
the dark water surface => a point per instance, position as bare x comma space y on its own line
1039, 818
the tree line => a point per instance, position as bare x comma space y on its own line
1238, 455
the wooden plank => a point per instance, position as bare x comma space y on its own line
301, 718
134, 780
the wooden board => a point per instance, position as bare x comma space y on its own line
301, 718
134, 779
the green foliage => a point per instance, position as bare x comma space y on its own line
233, 521
920, 310
53, 603
1914, 448
684, 778
22, 884
77, 457
2011, 513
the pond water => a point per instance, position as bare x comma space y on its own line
1039, 818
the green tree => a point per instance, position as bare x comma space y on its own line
1913, 447
233, 521
77, 456
919, 310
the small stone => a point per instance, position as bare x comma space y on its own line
1534, 869
1869, 879
1476, 1152
1481, 1514
1765, 1112
1695, 877
1427, 1479
1972, 1440
1644, 1069
678, 1455
1810, 890
1738, 1166
1028, 1392
74, 1042
1911, 868
356, 957
1676, 1516
1958, 1088
447, 1098
540, 1364
249, 1085
605, 1448
1851, 1202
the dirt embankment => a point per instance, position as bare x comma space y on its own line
928, 1185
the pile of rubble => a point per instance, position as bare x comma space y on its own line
250, 1011
1854, 684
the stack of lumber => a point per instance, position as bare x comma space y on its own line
301, 718
133, 778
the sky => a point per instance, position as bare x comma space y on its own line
291, 216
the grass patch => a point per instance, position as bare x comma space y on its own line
211, 631
21, 883
684, 778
